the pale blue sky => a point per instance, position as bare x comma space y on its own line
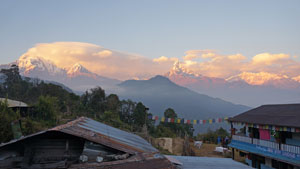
153, 28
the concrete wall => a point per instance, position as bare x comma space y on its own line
173, 145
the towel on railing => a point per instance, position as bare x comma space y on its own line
264, 134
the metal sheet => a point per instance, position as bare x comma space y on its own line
117, 135
100, 133
208, 163
14, 103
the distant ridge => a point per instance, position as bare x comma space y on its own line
251, 89
160, 93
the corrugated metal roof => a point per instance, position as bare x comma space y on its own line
101, 133
14, 103
208, 163
287, 115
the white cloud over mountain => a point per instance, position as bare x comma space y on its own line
210, 63
97, 59
122, 65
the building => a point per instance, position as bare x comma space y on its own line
22, 107
82, 143
268, 136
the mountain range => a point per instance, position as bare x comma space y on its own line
251, 89
77, 77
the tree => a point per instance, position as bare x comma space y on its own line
126, 110
94, 102
47, 109
7, 116
139, 115
179, 130
12, 74
170, 113
212, 136
113, 103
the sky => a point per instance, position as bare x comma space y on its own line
161, 31
153, 28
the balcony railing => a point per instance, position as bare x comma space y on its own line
290, 148
242, 139
269, 144
265, 143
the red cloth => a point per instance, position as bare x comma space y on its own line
264, 134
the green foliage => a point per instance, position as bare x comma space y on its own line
165, 129
113, 119
113, 103
212, 136
93, 102
7, 116
30, 126
170, 113
162, 131
52, 105
47, 109
140, 117
127, 108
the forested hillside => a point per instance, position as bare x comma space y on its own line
51, 104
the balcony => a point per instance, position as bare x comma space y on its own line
289, 153
268, 144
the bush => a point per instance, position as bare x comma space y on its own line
212, 136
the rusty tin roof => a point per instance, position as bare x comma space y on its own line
100, 133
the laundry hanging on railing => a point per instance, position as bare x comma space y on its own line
188, 121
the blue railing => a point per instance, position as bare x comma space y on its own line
269, 144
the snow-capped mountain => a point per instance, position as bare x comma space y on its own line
247, 88
297, 78
29, 64
184, 77
78, 70
266, 79
76, 77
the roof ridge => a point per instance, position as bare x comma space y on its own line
69, 124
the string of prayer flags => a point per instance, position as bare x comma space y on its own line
188, 121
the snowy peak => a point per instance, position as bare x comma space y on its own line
256, 78
77, 69
297, 78
27, 64
265, 79
178, 69
182, 76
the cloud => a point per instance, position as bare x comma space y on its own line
164, 59
103, 53
225, 66
105, 62
193, 54
123, 65
268, 59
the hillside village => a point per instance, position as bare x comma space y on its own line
172, 84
